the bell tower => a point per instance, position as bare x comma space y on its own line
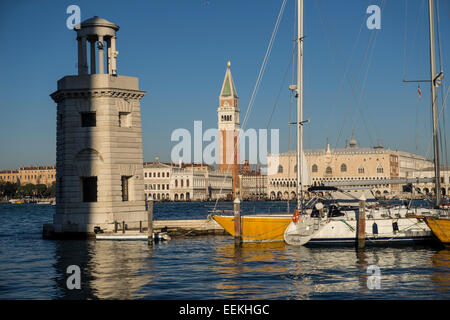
99, 159
229, 129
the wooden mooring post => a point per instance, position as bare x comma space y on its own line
237, 221
361, 225
150, 222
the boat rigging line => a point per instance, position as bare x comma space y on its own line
257, 84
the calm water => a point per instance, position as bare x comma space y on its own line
205, 267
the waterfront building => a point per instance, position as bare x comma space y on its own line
37, 175
99, 164
428, 187
9, 176
185, 182
253, 184
187, 185
194, 185
228, 115
220, 185
349, 164
157, 177
30, 175
410, 164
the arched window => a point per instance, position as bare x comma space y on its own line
361, 170
328, 170
295, 169
176, 182
315, 168
380, 169
343, 167
280, 169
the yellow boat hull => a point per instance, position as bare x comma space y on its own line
440, 228
257, 228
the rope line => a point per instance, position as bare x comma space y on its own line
257, 84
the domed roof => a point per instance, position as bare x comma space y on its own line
353, 142
96, 21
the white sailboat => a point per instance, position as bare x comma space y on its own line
384, 226
304, 226
393, 225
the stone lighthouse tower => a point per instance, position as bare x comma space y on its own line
229, 129
99, 170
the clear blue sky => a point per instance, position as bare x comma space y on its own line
179, 50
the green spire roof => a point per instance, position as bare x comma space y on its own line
228, 87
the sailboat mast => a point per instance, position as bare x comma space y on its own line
434, 104
299, 103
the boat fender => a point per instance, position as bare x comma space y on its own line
97, 229
375, 229
164, 236
296, 216
395, 226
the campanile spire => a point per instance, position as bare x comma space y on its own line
229, 129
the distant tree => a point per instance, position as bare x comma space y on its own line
8, 189
50, 192
26, 190
39, 190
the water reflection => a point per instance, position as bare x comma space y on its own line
361, 264
109, 269
250, 271
214, 268
441, 274
342, 273
206, 268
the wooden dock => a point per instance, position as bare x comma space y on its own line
189, 228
